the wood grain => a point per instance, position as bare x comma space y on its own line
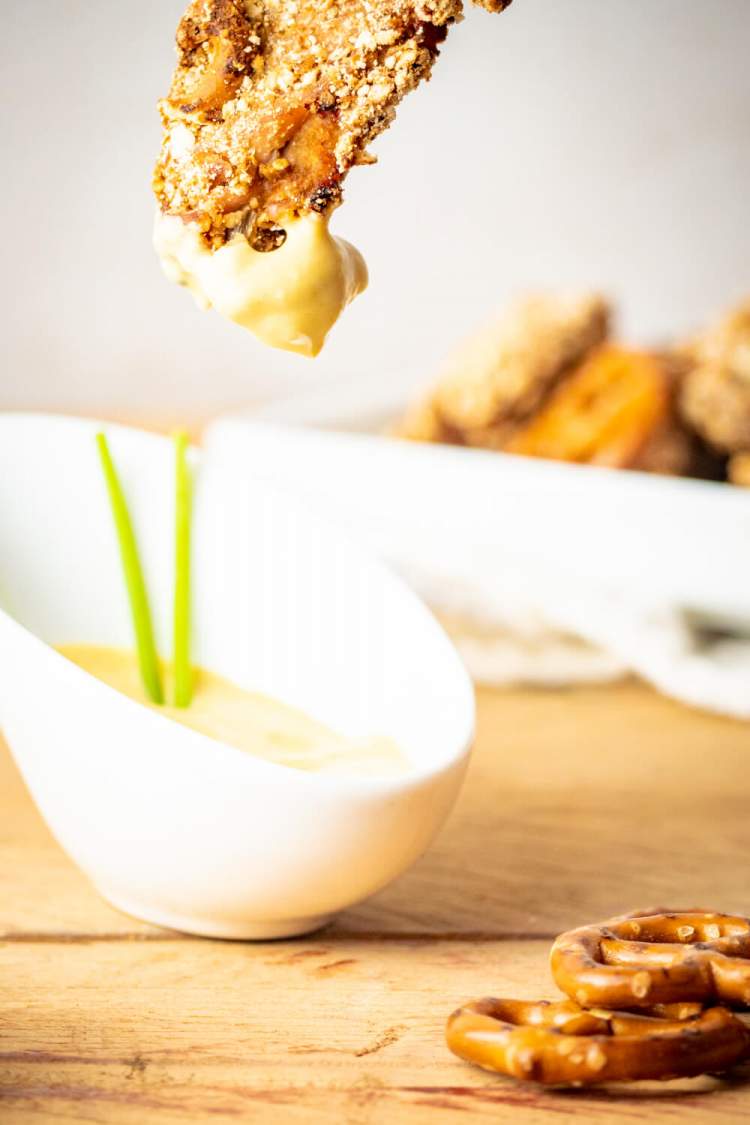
141, 1028
578, 804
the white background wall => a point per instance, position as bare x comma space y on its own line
565, 142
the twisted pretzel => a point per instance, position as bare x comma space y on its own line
562, 1044
640, 960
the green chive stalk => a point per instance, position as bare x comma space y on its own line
183, 675
148, 660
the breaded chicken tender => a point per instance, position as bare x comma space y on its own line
273, 101
617, 409
715, 397
497, 377
542, 381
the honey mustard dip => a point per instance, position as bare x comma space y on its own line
255, 723
289, 298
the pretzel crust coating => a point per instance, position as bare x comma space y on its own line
715, 397
498, 377
562, 1044
273, 101
662, 958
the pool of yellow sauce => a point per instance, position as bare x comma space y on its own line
255, 723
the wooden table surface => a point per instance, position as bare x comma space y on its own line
578, 804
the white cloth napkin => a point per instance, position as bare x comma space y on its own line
531, 628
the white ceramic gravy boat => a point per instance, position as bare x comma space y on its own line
170, 825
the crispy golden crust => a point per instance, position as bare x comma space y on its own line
499, 376
495, 380
273, 102
715, 397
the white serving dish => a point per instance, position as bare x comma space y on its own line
171, 826
457, 521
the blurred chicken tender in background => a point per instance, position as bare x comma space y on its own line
545, 380
715, 397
